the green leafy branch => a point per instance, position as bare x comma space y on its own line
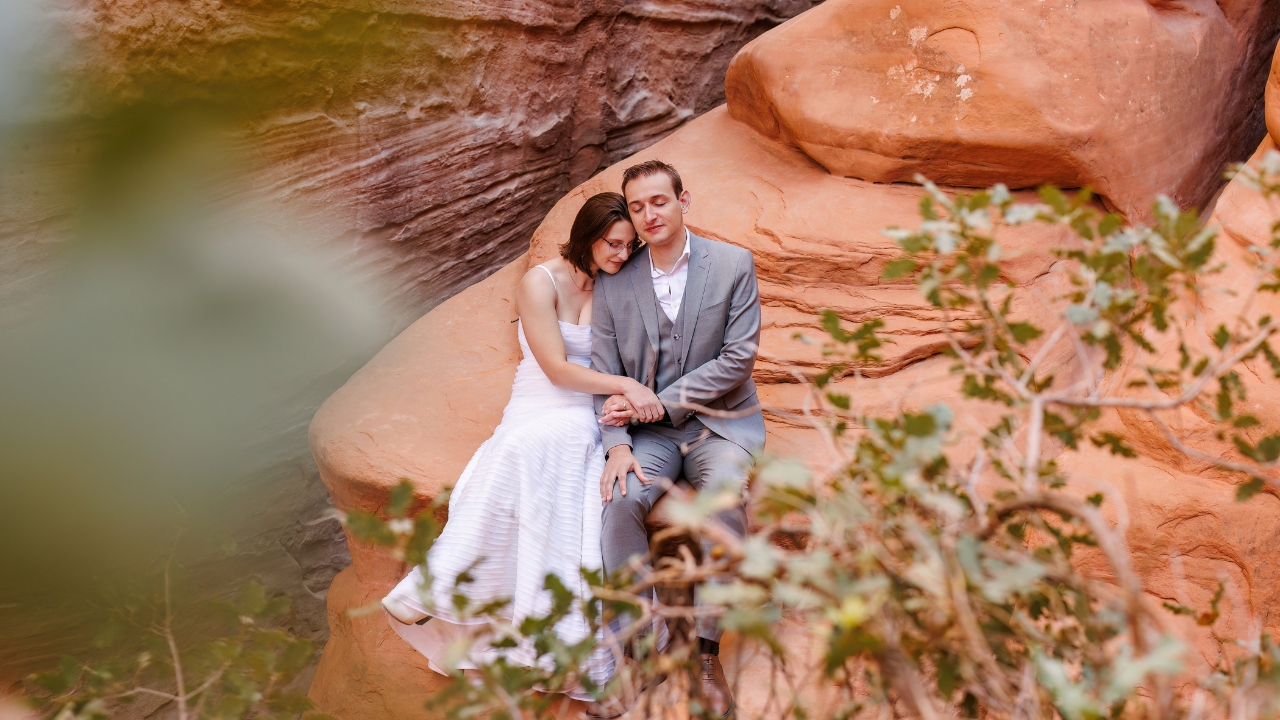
241, 673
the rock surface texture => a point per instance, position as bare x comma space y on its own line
764, 176
441, 132
1024, 92
424, 140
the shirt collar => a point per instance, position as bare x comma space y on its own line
684, 258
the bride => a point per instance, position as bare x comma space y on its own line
528, 503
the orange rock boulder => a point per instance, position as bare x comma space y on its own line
1130, 97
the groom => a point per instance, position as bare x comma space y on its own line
683, 318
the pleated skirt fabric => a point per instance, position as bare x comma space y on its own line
527, 504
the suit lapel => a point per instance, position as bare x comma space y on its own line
695, 284
642, 283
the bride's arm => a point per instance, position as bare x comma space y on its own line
536, 302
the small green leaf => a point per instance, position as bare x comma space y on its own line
824, 377
1200, 366
1109, 224
1114, 443
401, 497
1225, 402
369, 527
1272, 359
1024, 332
1095, 499
1249, 489
1267, 449
899, 268
831, 324
921, 425
1221, 336
1054, 198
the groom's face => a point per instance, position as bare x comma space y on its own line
656, 211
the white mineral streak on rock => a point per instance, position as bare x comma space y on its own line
923, 88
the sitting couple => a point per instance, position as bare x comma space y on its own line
653, 332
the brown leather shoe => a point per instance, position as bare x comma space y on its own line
715, 688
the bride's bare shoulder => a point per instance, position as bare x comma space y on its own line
539, 275
537, 287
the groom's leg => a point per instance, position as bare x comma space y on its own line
623, 534
714, 462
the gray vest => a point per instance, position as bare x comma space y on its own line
670, 351
671, 362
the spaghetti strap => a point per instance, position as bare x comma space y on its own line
553, 278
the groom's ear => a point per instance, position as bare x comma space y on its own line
685, 199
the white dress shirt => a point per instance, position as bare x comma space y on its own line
669, 287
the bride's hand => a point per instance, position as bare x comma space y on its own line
617, 411
647, 407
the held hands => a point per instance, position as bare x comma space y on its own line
638, 404
620, 462
617, 411
645, 405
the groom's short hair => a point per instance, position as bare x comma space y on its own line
652, 167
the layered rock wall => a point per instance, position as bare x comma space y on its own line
438, 132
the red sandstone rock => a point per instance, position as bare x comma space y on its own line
1130, 97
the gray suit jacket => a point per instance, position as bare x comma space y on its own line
720, 319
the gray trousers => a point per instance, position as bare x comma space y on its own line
705, 459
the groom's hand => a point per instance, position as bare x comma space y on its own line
620, 462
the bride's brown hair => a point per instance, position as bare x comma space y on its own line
597, 215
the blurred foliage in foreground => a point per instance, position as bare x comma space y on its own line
925, 596
243, 671
178, 327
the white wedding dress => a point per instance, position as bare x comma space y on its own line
527, 504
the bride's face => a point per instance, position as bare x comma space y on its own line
610, 252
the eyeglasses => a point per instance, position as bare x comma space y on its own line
620, 248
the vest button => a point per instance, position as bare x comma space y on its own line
677, 337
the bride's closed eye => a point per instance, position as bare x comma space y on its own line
619, 247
